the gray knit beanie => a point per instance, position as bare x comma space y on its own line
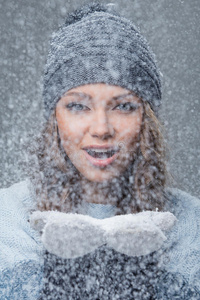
96, 45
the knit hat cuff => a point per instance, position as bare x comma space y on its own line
100, 48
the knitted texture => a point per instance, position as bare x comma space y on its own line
97, 46
21, 255
21, 259
99, 211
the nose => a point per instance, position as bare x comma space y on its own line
101, 126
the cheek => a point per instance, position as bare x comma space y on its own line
70, 129
69, 132
70, 136
129, 128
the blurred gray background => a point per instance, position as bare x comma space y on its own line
172, 28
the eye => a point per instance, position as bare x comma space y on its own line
76, 107
127, 107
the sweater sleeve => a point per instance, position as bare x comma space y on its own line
20, 255
184, 244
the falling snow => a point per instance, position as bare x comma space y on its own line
80, 255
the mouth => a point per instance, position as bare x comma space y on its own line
101, 156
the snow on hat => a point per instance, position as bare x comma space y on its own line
96, 45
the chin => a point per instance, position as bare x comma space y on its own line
100, 175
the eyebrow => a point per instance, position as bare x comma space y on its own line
88, 96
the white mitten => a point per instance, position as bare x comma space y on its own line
138, 234
74, 235
68, 235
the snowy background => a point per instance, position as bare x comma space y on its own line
172, 28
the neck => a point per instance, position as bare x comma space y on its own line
109, 192
96, 192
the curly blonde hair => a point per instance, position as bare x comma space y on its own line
57, 182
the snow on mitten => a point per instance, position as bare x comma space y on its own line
68, 235
164, 221
138, 234
74, 235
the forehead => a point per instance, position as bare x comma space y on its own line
100, 89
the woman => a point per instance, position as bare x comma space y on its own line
103, 226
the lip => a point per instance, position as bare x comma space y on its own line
111, 147
100, 162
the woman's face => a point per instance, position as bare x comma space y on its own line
99, 127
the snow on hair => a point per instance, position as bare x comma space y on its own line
57, 182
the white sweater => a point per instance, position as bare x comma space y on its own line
21, 251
